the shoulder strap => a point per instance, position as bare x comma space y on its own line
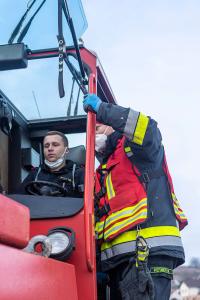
147, 176
73, 176
37, 174
144, 176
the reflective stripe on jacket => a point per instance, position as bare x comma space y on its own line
125, 196
159, 236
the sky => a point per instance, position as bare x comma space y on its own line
150, 53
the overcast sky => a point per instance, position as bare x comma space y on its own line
150, 51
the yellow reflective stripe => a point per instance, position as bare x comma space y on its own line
100, 236
177, 208
103, 166
142, 214
145, 233
173, 196
178, 212
142, 255
127, 149
123, 213
109, 187
140, 129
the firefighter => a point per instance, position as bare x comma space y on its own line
56, 169
138, 217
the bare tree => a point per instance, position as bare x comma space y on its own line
195, 262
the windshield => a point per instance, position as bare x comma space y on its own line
34, 90
44, 29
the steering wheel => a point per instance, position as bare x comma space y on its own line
40, 188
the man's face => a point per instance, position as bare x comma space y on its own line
53, 147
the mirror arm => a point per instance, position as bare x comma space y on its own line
73, 33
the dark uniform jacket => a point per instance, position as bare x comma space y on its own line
144, 141
71, 176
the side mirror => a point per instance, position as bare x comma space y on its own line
13, 56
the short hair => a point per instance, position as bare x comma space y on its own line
64, 138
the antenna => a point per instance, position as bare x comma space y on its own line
77, 99
71, 98
34, 97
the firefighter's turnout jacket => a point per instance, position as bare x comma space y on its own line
134, 190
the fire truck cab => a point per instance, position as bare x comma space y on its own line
47, 244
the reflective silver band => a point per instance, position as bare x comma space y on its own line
129, 154
130, 246
131, 123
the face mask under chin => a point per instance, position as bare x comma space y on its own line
55, 164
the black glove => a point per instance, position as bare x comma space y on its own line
136, 283
145, 281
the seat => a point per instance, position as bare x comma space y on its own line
77, 154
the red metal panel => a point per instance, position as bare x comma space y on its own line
14, 223
89, 183
25, 276
86, 280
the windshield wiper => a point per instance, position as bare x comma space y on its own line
26, 28
73, 33
80, 77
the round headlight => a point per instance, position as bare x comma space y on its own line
59, 241
62, 240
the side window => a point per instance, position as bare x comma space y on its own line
76, 139
3, 161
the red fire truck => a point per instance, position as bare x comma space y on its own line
47, 244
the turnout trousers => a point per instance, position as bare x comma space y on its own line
160, 272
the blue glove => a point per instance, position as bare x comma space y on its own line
91, 103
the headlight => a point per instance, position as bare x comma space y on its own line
59, 241
62, 240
